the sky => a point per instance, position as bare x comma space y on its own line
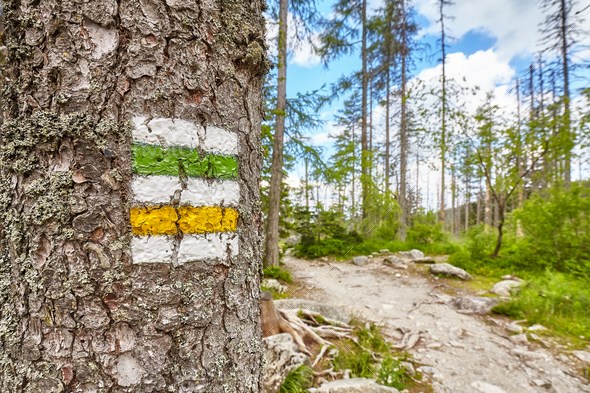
493, 42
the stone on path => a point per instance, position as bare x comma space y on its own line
275, 285
485, 387
583, 356
354, 385
449, 270
475, 305
505, 288
396, 262
411, 255
282, 356
360, 260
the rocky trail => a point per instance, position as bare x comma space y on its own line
460, 351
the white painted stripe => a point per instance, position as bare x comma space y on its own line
155, 190
211, 246
201, 192
166, 132
220, 141
155, 249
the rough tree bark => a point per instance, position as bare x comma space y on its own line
271, 257
79, 311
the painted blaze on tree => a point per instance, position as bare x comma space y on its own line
130, 161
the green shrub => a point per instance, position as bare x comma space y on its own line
426, 229
298, 380
278, 273
555, 300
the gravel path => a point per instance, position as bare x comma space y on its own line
463, 353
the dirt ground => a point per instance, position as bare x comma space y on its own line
462, 353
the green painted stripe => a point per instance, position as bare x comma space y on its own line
155, 160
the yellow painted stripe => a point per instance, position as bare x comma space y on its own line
154, 221
195, 220
167, 220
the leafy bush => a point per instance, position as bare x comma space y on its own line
426, 229
556, 230
298, 380
278, 273
554, 300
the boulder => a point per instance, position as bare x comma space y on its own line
475, 305
583, 356
271, 283
281, 356
294, 305
425, 260
411, 255
360, 260
449, 270
384, 251
354, 385
485, 387
504, 288
396, 262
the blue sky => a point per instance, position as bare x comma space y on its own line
495, 40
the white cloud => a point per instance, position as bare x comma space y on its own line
514, 23
301, 51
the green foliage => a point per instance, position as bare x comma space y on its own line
426, 229
360, 357
278, 273
298, 380
556, 229
554, 300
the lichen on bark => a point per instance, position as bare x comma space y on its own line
77, 315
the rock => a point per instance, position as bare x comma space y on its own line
384, 251
360, 260
449, 270
396, 262
281, 357
428, 370
582, 355
354, 385
294, 305
504, 288
293, 240
411, 255
271, 283
485, 387
426, 260
519, 339
475, 305
513, 327
408, 367
536, 328
542, 384
511, 277
398, 275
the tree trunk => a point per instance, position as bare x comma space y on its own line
271, 257
501, 206
403, 136
365, 156
122, 120
387, 114
443, 138
564, 30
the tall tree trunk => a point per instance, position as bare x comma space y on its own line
443, 137
403, 134
566, 90
501, 207
519, 159
365, 155
387, 121
271, 257
107, 281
